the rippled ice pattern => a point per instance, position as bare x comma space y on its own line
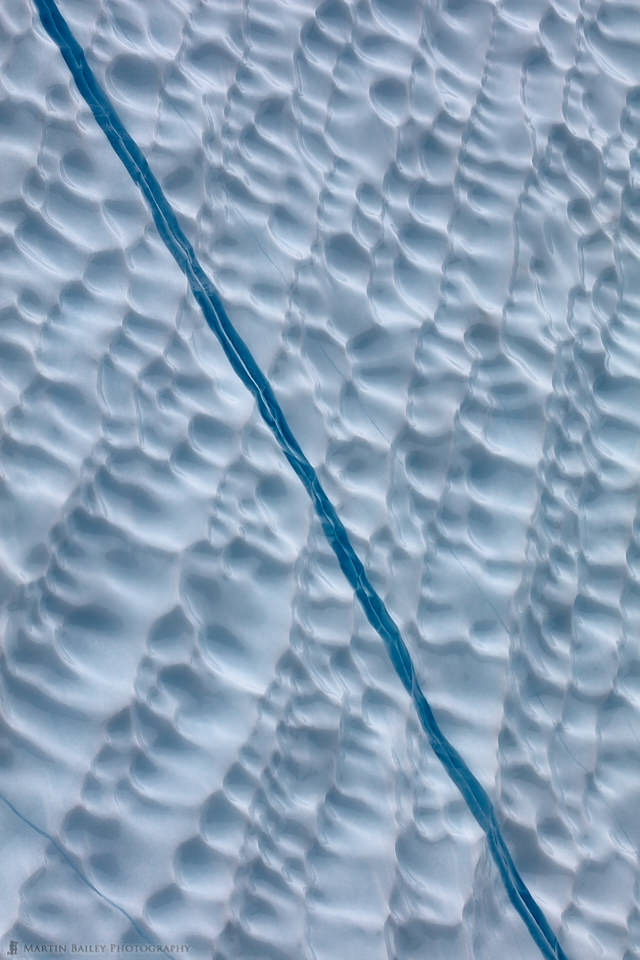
424, 219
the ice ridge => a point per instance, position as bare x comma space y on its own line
245, 366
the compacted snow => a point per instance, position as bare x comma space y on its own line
423, 220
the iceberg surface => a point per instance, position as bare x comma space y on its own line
426, 242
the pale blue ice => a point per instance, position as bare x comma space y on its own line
422, 222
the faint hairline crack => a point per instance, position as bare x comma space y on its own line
76, 869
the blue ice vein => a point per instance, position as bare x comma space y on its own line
245, 366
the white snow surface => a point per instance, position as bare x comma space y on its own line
424, 219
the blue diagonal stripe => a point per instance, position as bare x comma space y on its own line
247, 369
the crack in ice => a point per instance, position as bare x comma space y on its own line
76, 869
245, 366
